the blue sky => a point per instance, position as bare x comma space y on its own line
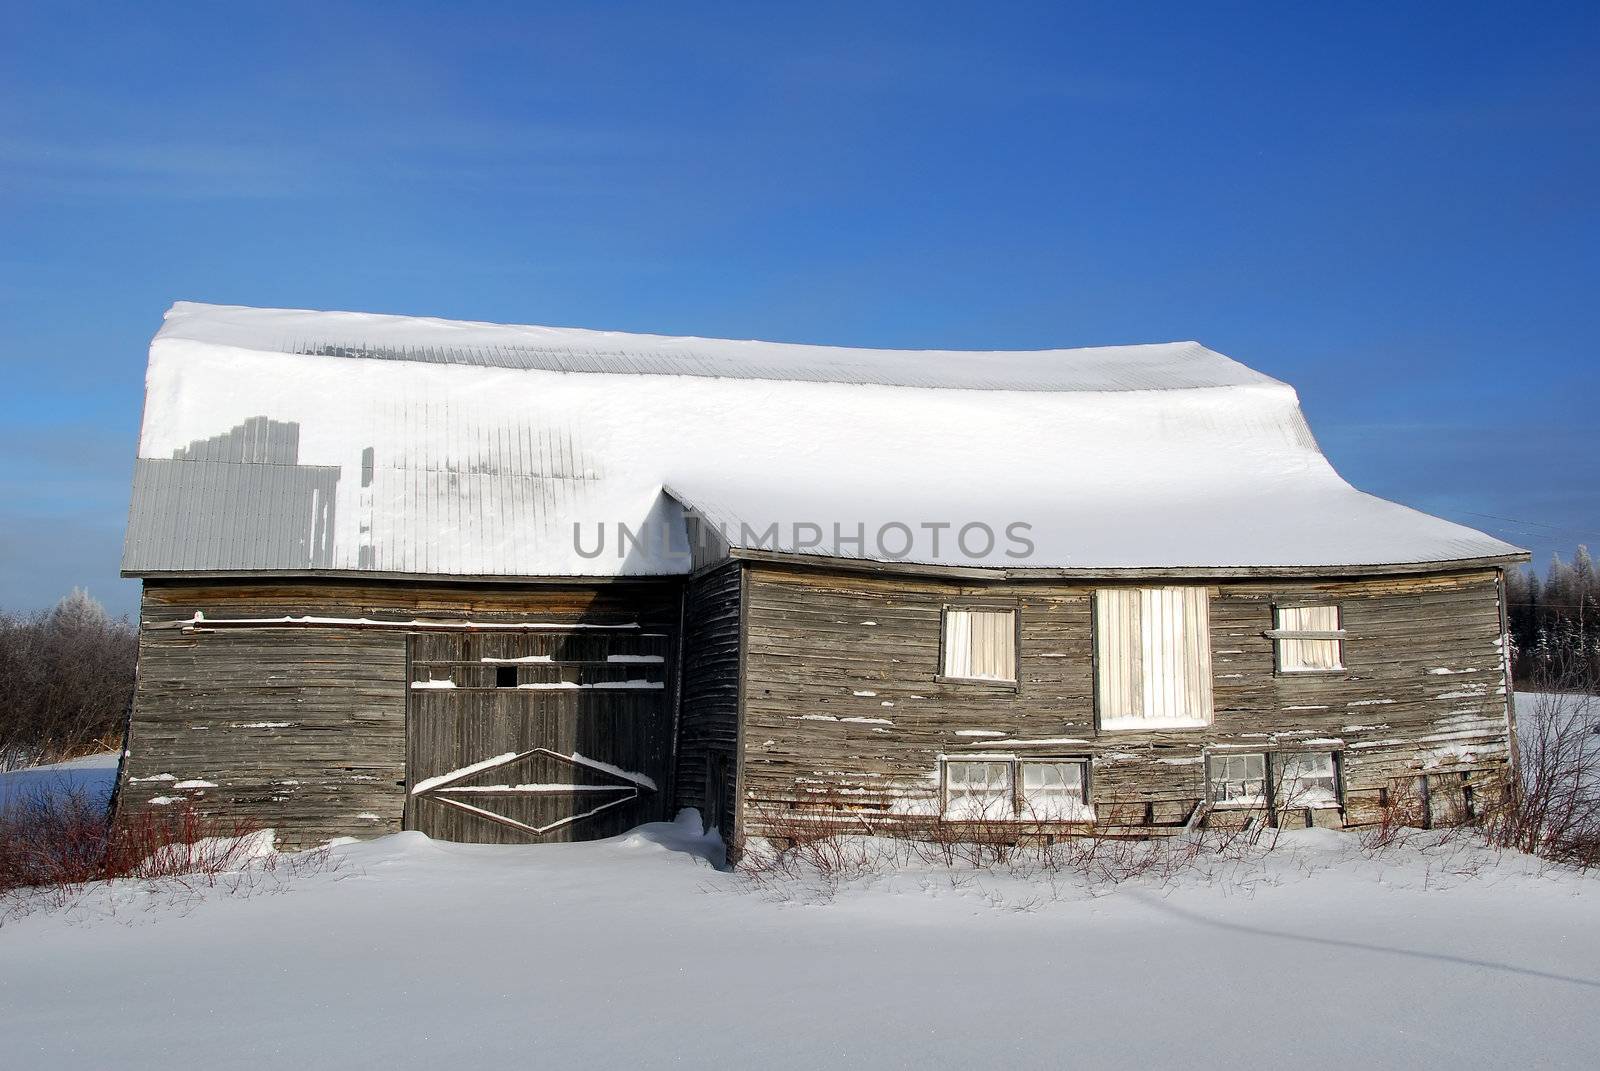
1395, 208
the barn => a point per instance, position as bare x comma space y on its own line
511, 584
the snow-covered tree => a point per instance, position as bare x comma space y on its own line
66, 675
1555, 625
78, 611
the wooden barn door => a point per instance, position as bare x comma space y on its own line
550, 735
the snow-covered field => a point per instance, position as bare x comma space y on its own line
92, 778
404, 952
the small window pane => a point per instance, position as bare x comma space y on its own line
1055, 792
978, 790
1238, 780
980, 644
1308, 780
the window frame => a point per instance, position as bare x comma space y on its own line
1277, 635
1267, 786
1016, 763
1014, 608
1102, 724
1272, 765
1085, 778
1009, 761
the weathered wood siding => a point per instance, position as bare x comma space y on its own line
843, 705
303, 729
709, 718
592, 692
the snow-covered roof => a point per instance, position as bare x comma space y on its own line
292, 441
1163, 366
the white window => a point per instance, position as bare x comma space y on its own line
1051, 790
1310, 639
980, 644
1056, 791
978, 789
1238, 779
1153, 657
1307, 779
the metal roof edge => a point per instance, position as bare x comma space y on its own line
386, 576
1197, 572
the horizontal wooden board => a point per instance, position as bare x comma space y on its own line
844, 705
303, 729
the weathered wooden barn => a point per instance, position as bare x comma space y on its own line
503, 583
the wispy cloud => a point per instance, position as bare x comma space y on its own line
543, 158
144, 168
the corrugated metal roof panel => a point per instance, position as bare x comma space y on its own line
219, 515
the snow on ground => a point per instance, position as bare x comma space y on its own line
408, 953
93, 776
635, 951
1532, 706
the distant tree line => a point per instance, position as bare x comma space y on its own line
1555, 622
66, 677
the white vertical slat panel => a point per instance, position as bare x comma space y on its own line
957, 643
1197, 652
1153, 656
995, 654
1118, 657
1161, 643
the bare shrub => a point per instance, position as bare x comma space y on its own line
1552, 807
817, 840
53, 846
1400, 815
52, 839
820, 847
68, 678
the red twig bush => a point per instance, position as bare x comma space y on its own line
53, 845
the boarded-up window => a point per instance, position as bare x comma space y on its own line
1309, 639
978, 789
980, 644
1152, 657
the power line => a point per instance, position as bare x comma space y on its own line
1575, 529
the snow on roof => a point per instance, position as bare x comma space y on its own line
1163, 366
296, 441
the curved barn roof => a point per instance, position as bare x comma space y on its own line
294, 441
1162, 366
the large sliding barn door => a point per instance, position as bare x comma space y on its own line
547, 735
